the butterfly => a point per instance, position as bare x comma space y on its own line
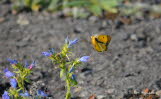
100, 42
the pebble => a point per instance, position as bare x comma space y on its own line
84, 94
158, 93
110, 91
21, 44
22, 20
101, 97
141, 36
133, 37
78, 29
78, 89
37, 76
136, 92
93, 19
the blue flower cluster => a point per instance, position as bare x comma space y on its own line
40, 93
14, 83
50, 53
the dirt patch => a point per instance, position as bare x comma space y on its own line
132, 62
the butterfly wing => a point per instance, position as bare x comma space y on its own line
102, 47
104, 39
95, 44
100, 42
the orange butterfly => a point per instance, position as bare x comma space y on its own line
100, 42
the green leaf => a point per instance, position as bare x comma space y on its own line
62, 72
110, 5
53, 5
77, 3
28, 80
27, 3
73, 82
96, 10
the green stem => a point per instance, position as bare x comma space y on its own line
68, 94
21, 83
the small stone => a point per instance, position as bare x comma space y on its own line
84, 94
100, 82
37, 76
136, 92
101, 97
78, 89
22, 20
93, 19
133, 37
21, 44
110, 91
141, 36
158, 93
78, 29
149, 49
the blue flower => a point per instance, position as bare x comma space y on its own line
73, 42
5, 70
26, 94
13, 83
74, 77
5, 95
84, 59
33, 64
71, 69
12, 61
48, 53
41, 93
8, 73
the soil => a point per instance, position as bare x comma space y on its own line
133, 60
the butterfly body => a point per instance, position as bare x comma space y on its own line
100, 42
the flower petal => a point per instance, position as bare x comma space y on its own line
41, 93
84, 59
26, 94
13, 83
12, 61
5, 95
73, 42
8, 73
33, 64
46, 54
